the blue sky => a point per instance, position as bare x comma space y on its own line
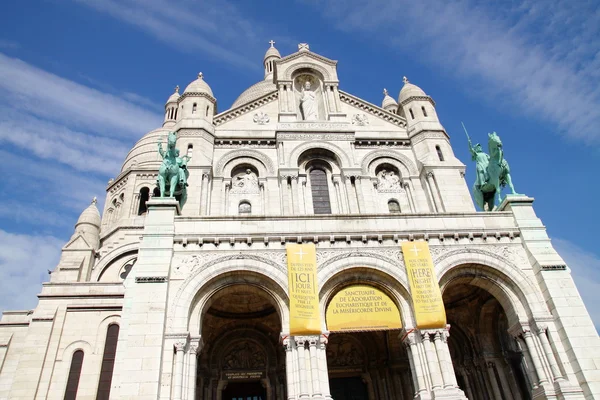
82, 80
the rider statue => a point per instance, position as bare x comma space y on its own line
173, 172
493, 172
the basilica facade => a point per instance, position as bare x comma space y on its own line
188, 298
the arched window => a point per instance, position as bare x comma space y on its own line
320, 191
412, 115
190, 150
144, 197
245, 208
175, 116
424, 111
394, 207
108, 362
207, 110
439, 153
74, 375
194, 107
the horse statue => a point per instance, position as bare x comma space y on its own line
493, 172
173, 172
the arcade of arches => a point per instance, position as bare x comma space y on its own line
245, 355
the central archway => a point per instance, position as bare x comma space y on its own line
241, 357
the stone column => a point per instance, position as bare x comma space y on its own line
206, 193
533, 353
415, 365
358, 184
323, 372
351, 195
556, 374
447, 376
336, 98
314, 367
409, 195
304, 384
226, 189
434, 192
195, 347
178, 371
295, 199
432, 361
288, 345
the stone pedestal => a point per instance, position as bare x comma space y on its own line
138, 364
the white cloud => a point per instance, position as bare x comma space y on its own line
34, 91
541, 59
9, 44
24, 264
214, 27
585, 269
48, 140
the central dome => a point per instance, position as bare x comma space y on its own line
254, 92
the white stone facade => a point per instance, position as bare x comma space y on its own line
200, 293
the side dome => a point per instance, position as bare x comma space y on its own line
90, 215
409, 90
145, 152
199, 86
254, 92
388, 103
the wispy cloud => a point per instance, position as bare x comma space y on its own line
9, 44
48, 96
24, 264
585, 269
215, 27
537, 58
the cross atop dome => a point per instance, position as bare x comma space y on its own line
200, 75
272, 43
405, 80
385, 92
177, 89
303, 47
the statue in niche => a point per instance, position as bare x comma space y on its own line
388, 181
245, 182
308, 103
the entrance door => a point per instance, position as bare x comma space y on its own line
348, 389
244, 391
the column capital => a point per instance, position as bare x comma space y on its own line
179, 345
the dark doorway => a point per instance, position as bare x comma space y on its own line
348, 389
244, 391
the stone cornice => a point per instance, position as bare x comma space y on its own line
372, 109
234, 113
300, 54
422, 98
196, 94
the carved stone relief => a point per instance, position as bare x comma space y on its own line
388, 181
243, 356
245, 182
344, 354
360, 119
261, 118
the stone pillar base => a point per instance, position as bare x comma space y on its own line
449, 393
566, 390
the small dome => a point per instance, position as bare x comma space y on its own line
388, 101
272, 51
144, 153
199, 86
409, 90
254, 92
175, 96
90, 215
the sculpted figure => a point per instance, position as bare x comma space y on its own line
387, 180
172, 173
308, 103
493, 172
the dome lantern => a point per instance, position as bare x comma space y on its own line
271, 56
171, 108
388, 103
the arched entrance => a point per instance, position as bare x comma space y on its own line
241, 358
365, 357
487, 360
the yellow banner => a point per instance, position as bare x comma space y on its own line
425, 290
362, 308
303, 289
